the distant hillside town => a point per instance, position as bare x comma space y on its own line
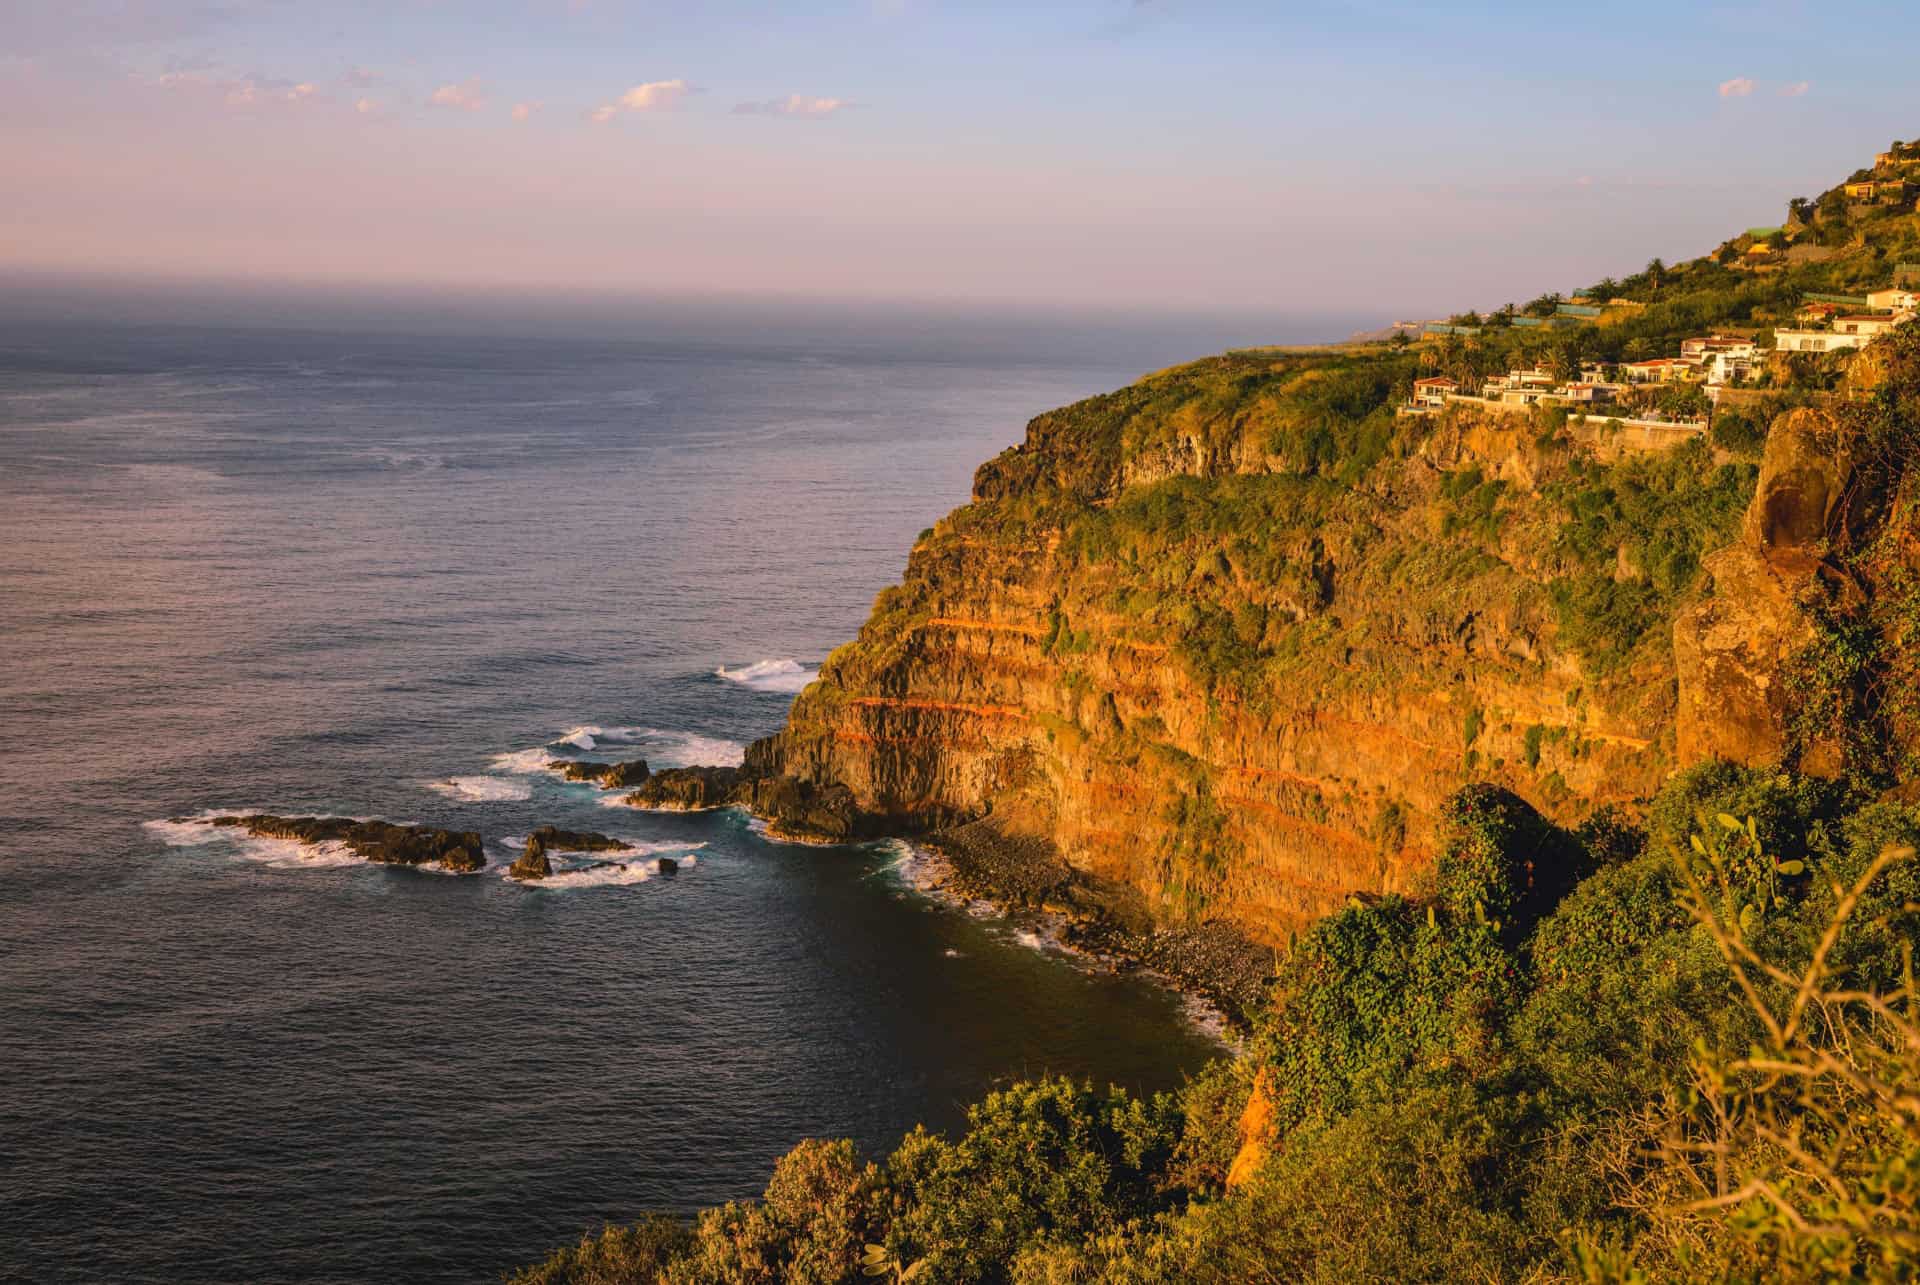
1678, 390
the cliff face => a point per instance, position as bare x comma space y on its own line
1227, 638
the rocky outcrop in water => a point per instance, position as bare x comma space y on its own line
378, 841
557, 840
688, 789
533, 863
800, 812
608, 776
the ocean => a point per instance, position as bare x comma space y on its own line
386, 573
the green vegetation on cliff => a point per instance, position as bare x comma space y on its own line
1571, 781
1568, 1060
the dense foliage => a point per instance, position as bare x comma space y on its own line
1505, 1079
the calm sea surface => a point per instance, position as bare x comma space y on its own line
380, 575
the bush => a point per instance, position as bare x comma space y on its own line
1048, 1160
635, 1255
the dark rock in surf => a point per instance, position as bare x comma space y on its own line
667, 865
803, 813
558, 840
688, 789
608, 776
533, 864
381, 842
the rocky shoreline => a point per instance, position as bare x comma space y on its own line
1018, 875
1102, 922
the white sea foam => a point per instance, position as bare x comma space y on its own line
284, 854
184, 832
523, 761
607, 869
784, 675
691, 749
659, 746
761, 829
590, 736
482, 789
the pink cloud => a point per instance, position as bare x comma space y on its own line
654, 96
794, 105
467, 96
1738, 87
524, 111
241, 91
1798, 89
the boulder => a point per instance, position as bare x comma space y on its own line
1732, 647
1803, 480
667, 865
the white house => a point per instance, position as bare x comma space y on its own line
1701, 352
1434, 390
1870, 325
1730, 367
1661, 370
1587, 393
1893, 299
1816, 340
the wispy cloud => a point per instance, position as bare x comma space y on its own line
794, 105
654, 96
467, 96
1738, 87
1798, 89
238, 91
523, 112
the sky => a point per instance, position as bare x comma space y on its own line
1202, 156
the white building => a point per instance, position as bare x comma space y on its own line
1816, 340
1701, 352
1870, 325
1730, 367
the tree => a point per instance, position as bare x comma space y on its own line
1799, 210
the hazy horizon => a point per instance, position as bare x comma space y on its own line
772, 322
1143, 156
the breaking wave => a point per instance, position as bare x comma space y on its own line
659, 746
482, 789
785, 675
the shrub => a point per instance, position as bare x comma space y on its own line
635, 1255
1046, 1160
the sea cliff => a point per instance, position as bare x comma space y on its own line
1223, 641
